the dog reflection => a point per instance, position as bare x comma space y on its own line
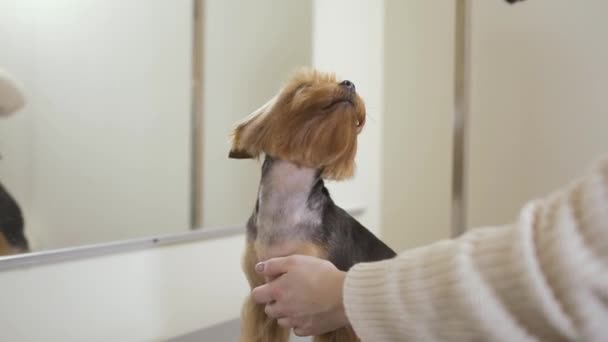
12, 237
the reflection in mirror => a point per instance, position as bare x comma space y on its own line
110, 144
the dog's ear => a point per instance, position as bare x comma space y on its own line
245, 136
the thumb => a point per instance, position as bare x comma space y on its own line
274, 267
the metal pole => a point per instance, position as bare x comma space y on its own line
196, 168
460, 120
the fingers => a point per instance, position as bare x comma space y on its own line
274, 267
273, 310
263, 294
300, 332
302, 326
288, 322
285, 322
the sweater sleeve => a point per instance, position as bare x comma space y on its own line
542, 278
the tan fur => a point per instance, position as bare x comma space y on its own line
256, 326
5, 247
301, 125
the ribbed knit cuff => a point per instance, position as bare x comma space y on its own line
367, 300
385, 300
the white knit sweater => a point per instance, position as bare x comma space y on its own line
543, 278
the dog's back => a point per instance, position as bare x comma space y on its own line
350, 242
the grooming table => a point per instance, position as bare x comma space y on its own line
223, 332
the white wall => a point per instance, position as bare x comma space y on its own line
418, 97
101, 152
539, 114
250, 48
148, 295
348, 41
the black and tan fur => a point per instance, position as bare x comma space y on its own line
12, 235
307, 133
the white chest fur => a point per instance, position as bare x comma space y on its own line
283, 211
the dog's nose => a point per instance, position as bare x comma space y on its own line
348, 84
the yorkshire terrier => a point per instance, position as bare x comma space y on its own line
307, 133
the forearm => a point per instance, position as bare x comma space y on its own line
541, 278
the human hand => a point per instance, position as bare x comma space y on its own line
305, 294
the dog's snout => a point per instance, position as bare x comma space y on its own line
348, 85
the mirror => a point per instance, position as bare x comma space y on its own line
129, 105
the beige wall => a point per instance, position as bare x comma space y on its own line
250, 47
539, 114
418, 69
353, 49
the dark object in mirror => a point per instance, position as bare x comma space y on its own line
12, 237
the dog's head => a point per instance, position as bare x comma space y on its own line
313, 121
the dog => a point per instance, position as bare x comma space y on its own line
307, 133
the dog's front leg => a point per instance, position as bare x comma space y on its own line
256, 326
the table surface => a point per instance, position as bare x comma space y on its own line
227, 331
